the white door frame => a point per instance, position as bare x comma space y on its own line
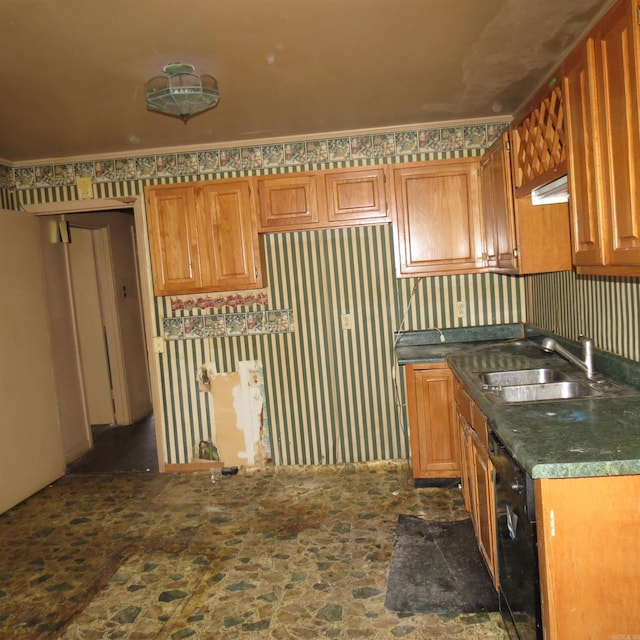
146, 288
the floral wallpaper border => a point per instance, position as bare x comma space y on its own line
265, 156
236, 299
224, 325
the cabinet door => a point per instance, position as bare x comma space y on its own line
175, 256
432, 424
486, 508
617, 50
288, 202
486, 511
498, 212
438, 218
228, 227
356, 196
589, 556
466, 466
584, 156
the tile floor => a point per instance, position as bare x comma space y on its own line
287, 554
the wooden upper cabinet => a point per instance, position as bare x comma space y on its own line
289, 202
321, 199
520, 238
356, 196
173, 237
500, 243
618, 79
203, 237
601, 80
584, 156
228, 221
438, 217
539, 140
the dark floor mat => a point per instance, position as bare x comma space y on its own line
436, 568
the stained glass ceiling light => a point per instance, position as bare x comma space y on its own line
181, 93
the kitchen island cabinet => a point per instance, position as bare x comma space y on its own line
438, 227
432, 426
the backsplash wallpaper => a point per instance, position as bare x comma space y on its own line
606, 309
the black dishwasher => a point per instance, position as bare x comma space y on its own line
517, 549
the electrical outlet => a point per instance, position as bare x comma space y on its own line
347, 321
461, 309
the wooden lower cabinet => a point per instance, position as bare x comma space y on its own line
432, 426
589, 556
485, 504
478, 477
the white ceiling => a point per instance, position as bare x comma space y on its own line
73, 71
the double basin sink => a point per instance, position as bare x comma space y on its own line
535, 385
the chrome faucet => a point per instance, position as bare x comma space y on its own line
586, 364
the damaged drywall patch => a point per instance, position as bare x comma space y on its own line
237, 397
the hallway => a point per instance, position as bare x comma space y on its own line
289, 553
120, 449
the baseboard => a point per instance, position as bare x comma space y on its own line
443, 483
193, 466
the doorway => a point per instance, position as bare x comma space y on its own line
106, 255
130, 449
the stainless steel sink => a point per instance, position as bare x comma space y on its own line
549, 391
520, 377
547, 383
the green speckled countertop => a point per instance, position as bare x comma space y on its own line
434, 345
560, 438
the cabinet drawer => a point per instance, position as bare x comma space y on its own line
356, 196
288, 202
463, 402
480, 425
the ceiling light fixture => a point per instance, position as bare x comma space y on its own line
181, 93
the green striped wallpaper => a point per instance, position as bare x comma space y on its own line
329, 391
330, 394
605, 308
